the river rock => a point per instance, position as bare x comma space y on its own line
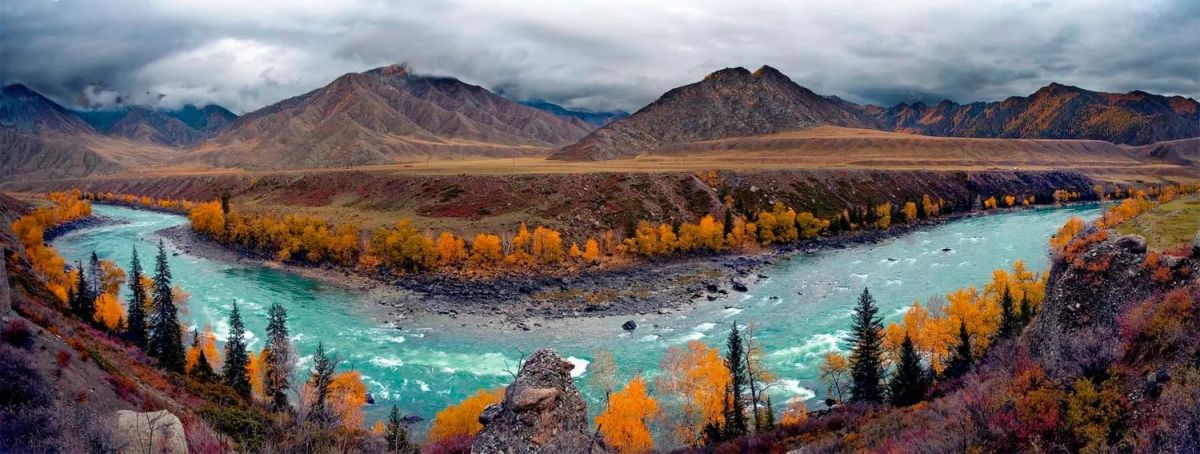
155, 431
542, 412
737, 285
629, 325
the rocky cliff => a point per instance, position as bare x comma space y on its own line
542, 412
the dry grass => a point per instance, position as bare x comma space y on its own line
1167, 226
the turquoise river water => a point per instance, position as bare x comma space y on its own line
802, 310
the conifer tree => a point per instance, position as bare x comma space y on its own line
83, 303
735, 360
236, 357
94, 274
1026, 314
322, 375
866, 364
136, 331
963, 358
728, 222
203, 371
768, 423
166, 342
397, 435
1008, 318
909, 381
280, 359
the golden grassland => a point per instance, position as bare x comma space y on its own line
1167, 226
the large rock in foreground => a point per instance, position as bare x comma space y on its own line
542, 412
155, 431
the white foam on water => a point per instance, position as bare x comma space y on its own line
732, 311
648, 338
691, 337
479, 364
580, 366
396, 339
893, 283
747, 296
704, 327
424, 386
816, 345
860, 276
797, 391
390, 362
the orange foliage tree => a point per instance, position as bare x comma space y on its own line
624, 423
347, 396
463, 418
696, 378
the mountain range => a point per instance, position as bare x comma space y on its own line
391, 115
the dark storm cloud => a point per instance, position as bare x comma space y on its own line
615, 54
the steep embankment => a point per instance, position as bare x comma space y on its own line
578, 204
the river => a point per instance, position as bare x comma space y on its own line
802, 310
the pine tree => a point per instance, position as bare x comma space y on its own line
963, 358
735, 360
83, 301
236, 358
166, 342
909, 382
279, 360
769, 416
728, 222
322, 375
1026, 314
136, 331
397, 435
866, 367
1008, 318
94, 274
203, 371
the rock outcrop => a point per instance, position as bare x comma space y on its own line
1085, 297
542, 412
5, 292
155, 431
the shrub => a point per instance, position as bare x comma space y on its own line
246, 426
18, 333
457, 444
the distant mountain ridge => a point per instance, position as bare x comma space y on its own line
388, 115
1055, 111
28, 111
727, 103
591, 117
182, 127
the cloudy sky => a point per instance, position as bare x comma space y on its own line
603, 54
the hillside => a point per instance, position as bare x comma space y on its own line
41, 139
728, 103
176, 128
1055, 111
387, 115
591, 117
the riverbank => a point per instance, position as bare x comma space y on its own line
648, 287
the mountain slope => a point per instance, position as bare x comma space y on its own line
177, 128
1055, 112
728, 103
591, 117
384, 116
40, 139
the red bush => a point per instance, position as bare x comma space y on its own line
18, 333
64, 358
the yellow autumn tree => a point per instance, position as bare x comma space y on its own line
485, 249
624, 423
547, 245
591, 251
347, 396
883, 216
795, 414
208, 345
696, 378
451, 250
910, 211
110, 311
207, 218
463, 418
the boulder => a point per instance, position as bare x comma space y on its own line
629, 325
542, 412
738, 286
155, 431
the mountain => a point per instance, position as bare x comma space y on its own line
177, 128
1055, 111
728, 103
387, 115
591, 117
40, 139
27, 111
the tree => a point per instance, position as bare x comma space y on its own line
94, 274
136, 325
1008, 318
624, 423
866, 363
696, 379
83, 298
735, 361
462, 419
758, 378
318, 386
236, 358
347, 396
110, 313
768, 417
280, 359
602, 373
396, 435
1026, 314
203, 371
835, 370
909, 382
166, 342
963, 358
